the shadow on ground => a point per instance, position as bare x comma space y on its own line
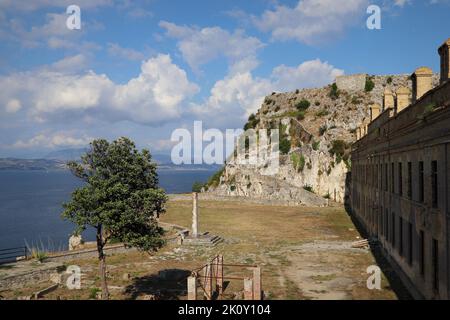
168, 284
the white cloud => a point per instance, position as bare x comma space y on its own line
401, 3
311, 21
200, 46
238, 95
127, 53
59, 139
155, 96
13, 106
72, 63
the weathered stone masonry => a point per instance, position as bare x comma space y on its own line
400, 181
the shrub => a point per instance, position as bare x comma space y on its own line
197, 186
297, 91
340, 149
309, 188
303, 105
252, 122
93, 293
389, 80
316, 145
285, 145
356, 100
215, 178
300, 115
369, 85
334, 92
39, 255
322, 113
298, 161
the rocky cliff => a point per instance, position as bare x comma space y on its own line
317, 128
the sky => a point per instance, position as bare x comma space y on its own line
143, 69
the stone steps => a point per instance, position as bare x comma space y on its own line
203, 240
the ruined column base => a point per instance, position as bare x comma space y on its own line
203, 239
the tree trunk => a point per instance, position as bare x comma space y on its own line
102, 263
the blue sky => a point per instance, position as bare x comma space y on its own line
145, 68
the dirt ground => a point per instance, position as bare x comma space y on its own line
304, 253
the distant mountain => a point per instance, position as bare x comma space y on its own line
56, 160
31, 164
66, 154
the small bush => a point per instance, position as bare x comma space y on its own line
285, 145
297, 91
300, 115
334, 92
389, 80
303, 105
252, 122
369, 85
298, 161
93, 293
322, 113
215, 178
197, 186
309, 188
340, 149
39, 255
316, 145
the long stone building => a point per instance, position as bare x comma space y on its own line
400, 180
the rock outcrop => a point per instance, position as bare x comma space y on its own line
320, 126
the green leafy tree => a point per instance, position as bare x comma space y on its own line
120, 199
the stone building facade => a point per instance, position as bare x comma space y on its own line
400, 180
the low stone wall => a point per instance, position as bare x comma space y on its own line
88, 253
216, 197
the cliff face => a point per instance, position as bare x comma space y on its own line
319, 126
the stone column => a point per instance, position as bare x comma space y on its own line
388, 99
444, 52
402, 98
192, 288
195, 214
421, 82
248, 289
257, 283
374, 111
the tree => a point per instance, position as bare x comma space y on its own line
120, 200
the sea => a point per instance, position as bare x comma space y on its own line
31, 205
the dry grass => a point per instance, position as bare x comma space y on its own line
271, 237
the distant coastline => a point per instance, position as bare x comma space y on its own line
57, 164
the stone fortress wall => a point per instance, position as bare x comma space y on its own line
351, 83
400, 179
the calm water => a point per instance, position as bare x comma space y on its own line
30, 204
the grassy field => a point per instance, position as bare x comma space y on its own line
304, 253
